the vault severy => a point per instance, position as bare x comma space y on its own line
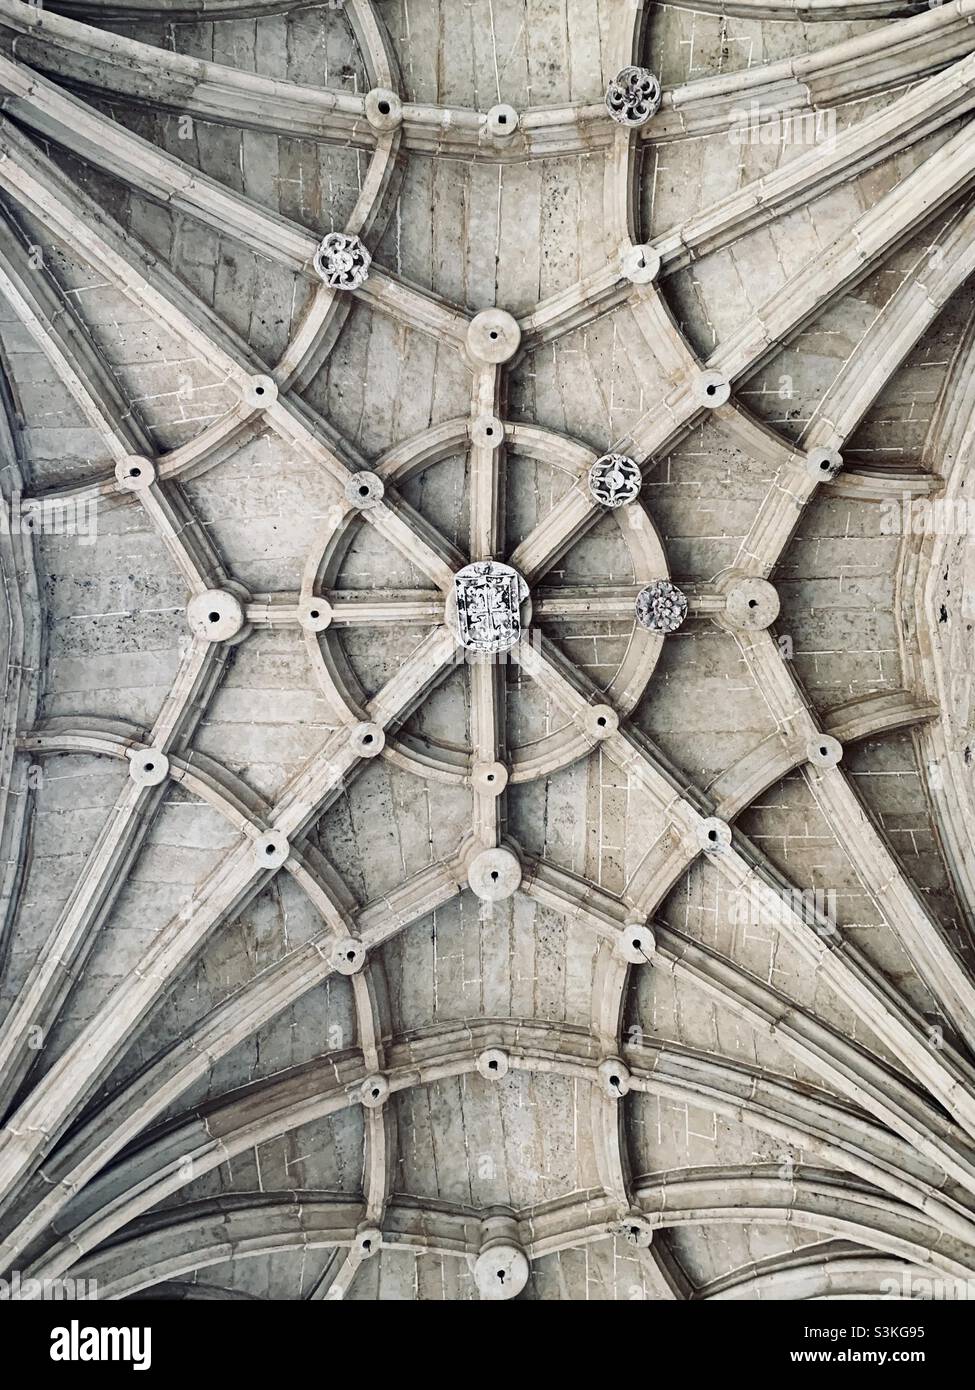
522, 843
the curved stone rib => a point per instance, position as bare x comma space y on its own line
22, 631
779, 754
941, 753
878, 713
842, 10
575, 307
937, 274
59, 333
62, 957
219, 1131
877, 61
55, 114
380, 1130
71, 215
856, 982
64, 1089
183, 536
848, 1068
108, 145
292, 419
486, 468
35, 182
787, 1110
146, 1096
304, 354
430, 446
819, 1200
861, 986
377, 51
200, 775
849, 70
170, 1244
922, 110
797, 1276
868, 484
487, 677
878, 870
848, 258
415, 308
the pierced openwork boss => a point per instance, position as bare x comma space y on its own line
633, 96
342, 261
615, 480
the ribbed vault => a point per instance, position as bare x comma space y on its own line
342, 958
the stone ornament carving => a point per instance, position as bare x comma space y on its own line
824, 751
640, 264
615, 480
636, 943
633, 96
348, 956
489, 597
368, 1241
661, 607
342, 261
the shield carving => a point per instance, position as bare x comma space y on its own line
489, 598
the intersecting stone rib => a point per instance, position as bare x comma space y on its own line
850, 256
922, 110
220, 1130
62, 957
70, 1081
861, 986
876, 867
49, 318
938, 273
169, 1244
879, 60
168, 1075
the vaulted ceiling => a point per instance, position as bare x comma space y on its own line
340, 959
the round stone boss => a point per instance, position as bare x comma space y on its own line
633, 96
661, 607
135, 473
501, 1271
501, 121
615, 480
384, 110
640, 264
485, 606
493, 336
215, 615
342, 261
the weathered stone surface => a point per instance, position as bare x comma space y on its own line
388, 883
